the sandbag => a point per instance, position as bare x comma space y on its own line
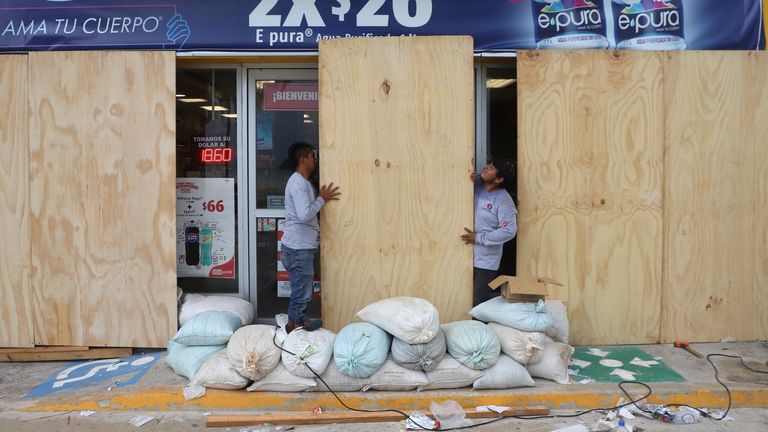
450, 374
309, 348
217, 372
196, 303
282, 381
505, 374
521, 346
252, 351
560, 327
360, 349
554, 362
392, 376
472, 344
186, 360
208, 328
414, 320
530, 317
337, 381
419, 357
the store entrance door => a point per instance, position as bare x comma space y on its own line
282, 109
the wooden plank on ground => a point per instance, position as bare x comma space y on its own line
590, 156
333, 417
87, 354
102, 138
15, 261
716, 265
397, 134
38, 349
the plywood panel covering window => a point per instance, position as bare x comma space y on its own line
396, 133
15, 266
716, 190
590, 187
102, 197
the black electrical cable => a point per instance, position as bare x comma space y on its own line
552, 416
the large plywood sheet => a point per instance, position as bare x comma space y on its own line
102, 137
396, 133
15, 266
715, 282
590, 156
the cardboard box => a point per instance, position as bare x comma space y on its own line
523, 289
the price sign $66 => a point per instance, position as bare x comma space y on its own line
213, 206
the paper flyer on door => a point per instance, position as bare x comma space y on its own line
205, 227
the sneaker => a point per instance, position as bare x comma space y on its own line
311, 324
291, 326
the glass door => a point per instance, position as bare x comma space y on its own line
282, 109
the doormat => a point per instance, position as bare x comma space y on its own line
618, 363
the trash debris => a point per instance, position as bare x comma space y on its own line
113, 386
87, 413
573, 428
626, 413
728, 339
193, 392
602, 425
318, 410
586, 381
419, 421
449, 414
494, 408
207, 413
141, 420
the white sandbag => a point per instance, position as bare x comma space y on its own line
217, 372
252, 351
208, 328
187, 360
419, 357
472, 344
414, 320
521, 346
309, 348
505, 374
392, 376
450, 374
282, 381
530, 317
196, 303
554, 362
337, 381
560, 327
360, 349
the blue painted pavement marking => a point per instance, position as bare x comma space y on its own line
82, 374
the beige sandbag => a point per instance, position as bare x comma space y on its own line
282, 381
450, 374
519, 345
554, 362
392, 376
217, 372
252, 352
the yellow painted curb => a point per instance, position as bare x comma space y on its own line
170, 399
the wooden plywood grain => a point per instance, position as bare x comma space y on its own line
715, 260
396, 132
102, 137
15, 266
590, 156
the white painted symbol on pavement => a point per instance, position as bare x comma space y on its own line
611, 363
110, 365
579, 363
598, 352
644, 363
623, 374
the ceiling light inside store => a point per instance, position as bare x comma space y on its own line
181, 95
214, 108
229, 115
499, 83
306, 116
308, 121
192, 100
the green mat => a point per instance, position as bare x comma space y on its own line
610, 364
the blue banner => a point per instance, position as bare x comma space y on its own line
298, 25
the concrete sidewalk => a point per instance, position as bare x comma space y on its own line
159, 389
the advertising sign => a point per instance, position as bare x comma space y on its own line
287, 96
286, 25
205, 227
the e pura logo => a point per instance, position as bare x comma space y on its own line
565, 14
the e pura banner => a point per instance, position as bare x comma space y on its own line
298, 25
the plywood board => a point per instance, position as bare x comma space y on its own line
715, 196
102, 136
590, 157
15, 264
396, 133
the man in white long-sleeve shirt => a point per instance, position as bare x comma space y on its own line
301, 232
495, 224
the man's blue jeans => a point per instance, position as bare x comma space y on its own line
301, 266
